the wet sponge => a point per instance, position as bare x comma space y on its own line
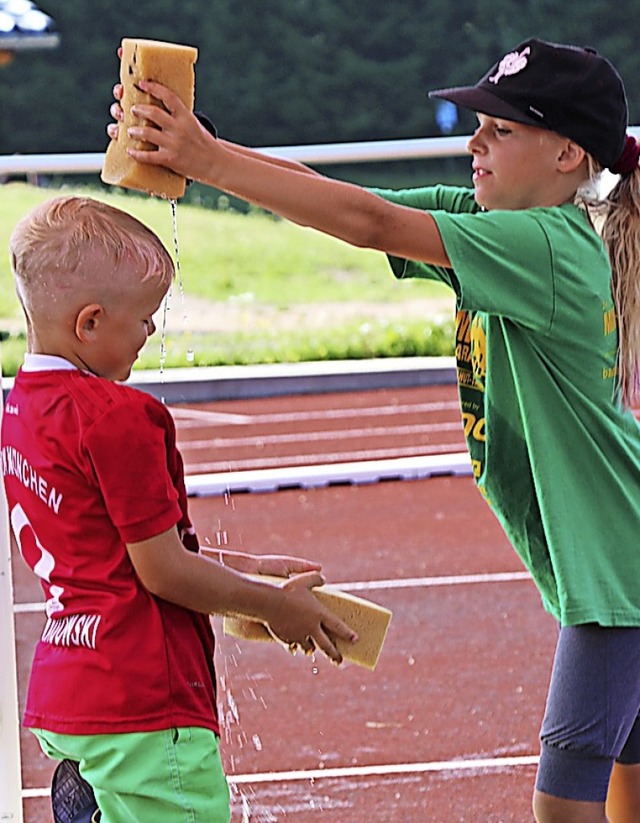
368, 620
166, 63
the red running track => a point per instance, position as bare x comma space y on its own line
445, 730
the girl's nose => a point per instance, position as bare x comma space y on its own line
474, 144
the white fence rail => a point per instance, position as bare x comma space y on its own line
321, 153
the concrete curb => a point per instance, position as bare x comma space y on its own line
206, 384
199, 385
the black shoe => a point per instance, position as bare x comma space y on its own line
71, 796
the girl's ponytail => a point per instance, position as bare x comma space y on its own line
621, 235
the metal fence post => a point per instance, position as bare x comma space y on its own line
10, 765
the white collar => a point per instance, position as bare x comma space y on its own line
46, 362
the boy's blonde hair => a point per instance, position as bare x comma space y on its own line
618, 218
57, 245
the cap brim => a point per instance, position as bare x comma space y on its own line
478, 99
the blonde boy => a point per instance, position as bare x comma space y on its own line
122, 681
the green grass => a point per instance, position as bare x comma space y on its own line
266, 262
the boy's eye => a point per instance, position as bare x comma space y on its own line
502, 131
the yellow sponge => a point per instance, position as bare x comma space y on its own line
368, 620
166, 63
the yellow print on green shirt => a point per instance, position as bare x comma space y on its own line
609, 316
471, 351
478, 352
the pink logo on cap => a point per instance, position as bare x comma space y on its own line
511, 63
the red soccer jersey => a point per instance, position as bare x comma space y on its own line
88, 466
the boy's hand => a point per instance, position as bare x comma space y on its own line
281, 565
272, 565
301, 621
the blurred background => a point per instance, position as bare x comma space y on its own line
286, 72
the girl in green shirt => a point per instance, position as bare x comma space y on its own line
549, 334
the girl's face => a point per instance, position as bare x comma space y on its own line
514, 166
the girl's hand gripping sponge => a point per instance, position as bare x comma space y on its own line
166, 63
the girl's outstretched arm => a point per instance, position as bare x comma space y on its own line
342, 210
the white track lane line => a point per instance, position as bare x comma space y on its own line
391, 462
377, 585
470, 764
317, 436
466, 764
189, 418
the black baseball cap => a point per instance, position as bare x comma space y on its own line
569, 90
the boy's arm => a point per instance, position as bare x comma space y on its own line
195, 582
343, 210
275, 565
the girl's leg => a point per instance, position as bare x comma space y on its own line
623, 800
549, 809
590, 721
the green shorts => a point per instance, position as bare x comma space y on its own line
174, 775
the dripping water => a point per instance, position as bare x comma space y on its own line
166, 306
176, 249
174, 216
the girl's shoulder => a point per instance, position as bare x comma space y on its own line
453, 199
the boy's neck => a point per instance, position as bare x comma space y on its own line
36, 361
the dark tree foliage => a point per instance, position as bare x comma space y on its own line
277, 72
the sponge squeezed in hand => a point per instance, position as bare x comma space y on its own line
369, 621
173, 66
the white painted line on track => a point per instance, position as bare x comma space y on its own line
377, 585
27, 608
349, 772
390, 769
410, 463
291, 462
317, 436
429, 582
190, 418
199, 417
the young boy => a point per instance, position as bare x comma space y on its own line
122, 679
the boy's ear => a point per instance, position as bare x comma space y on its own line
571, 156
87, 322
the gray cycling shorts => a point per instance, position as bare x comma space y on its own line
592, 717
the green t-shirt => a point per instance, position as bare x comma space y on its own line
553, 452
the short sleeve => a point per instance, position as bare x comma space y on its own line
449, 199
128, 448
503, 263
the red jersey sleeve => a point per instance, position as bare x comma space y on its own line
131, 448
